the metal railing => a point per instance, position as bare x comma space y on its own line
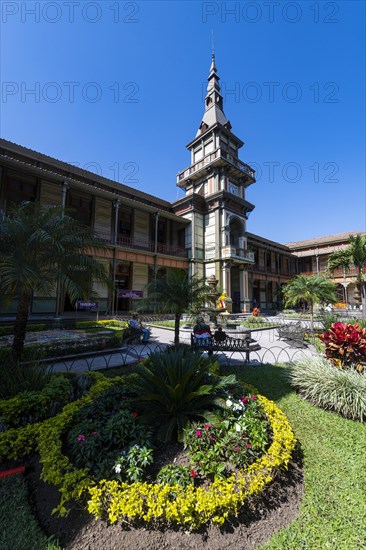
217, 154
137, 243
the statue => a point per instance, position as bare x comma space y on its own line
221, 302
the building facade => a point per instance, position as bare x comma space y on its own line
204, 233
312, 257
144, 235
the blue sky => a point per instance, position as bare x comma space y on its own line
118, 88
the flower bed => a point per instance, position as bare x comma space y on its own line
188, 505
16, 443
194, 506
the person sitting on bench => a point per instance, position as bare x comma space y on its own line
220, 335
201, 331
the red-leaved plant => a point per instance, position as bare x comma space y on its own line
345, 345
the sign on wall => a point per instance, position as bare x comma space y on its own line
130, 294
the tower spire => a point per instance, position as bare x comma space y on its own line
214, 112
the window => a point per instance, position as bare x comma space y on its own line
80, 206
125, 216
19, 189
233, 189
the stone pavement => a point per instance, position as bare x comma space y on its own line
272, 351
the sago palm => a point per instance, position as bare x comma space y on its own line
42, 247
355, 255
313, 289
175, 387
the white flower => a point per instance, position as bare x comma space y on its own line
228, 403
117, 468
237, 427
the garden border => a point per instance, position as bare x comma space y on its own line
193, 506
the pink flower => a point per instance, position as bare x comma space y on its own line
248, 445
135, 414
193, 473
94, 433
198, 433
211, 437
81, 437
244, 400
207, 426
236, 448
254, 398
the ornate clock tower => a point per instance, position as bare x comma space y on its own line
215, 185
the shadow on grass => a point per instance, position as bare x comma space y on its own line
270, 380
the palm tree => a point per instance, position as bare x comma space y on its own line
41, 247
176, 293
355, 255
313, 289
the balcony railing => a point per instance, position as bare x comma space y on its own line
240, 254
218, 153
339, 272
136, 243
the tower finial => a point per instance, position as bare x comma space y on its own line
213, 45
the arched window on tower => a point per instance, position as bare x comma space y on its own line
236, 231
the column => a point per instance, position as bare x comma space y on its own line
244, 291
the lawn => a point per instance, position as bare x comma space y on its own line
18, 528
333, 510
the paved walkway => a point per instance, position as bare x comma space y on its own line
272, 351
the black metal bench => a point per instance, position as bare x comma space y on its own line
292, 332
246, 345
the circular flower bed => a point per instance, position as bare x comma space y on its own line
183, 495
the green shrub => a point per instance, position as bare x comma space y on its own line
105, 434
176, 474
235, 439
20, 442
35, 327
16, 378
254, 320
176, 386
328, 319
32, 406
342, 391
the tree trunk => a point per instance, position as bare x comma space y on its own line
20, 327
176, 329
363, 299
311, 308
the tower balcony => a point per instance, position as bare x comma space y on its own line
233, 253
238, 255
219, 157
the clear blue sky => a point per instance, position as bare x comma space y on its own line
118, 87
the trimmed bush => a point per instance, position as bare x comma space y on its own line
32, 406
7, 330
20, 442
341, 391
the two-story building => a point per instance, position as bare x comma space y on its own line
312, 257
204, 233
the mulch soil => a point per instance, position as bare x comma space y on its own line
258, 521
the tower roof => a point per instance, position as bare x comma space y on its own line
214, 112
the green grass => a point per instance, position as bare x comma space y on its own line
18, 527
166, 324
333, 509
